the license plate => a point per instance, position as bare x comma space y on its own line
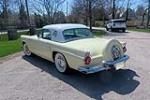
119, 65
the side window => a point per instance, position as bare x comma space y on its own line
81, 32
46, 34
69, 32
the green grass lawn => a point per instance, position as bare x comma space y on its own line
10, 47
3, 37
99, 32
140, 30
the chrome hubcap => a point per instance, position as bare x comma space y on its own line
26, 50
60, 63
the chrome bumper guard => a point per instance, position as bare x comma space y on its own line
106, 65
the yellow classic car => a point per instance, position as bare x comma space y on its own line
73, 46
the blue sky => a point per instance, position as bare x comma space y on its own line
135, 3
67, 6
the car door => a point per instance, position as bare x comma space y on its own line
45, 44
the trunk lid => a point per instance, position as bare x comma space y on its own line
96, 46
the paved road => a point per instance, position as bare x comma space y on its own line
33, 78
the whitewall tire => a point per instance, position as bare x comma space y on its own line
61, 63
26, 50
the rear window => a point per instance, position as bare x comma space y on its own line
77, 33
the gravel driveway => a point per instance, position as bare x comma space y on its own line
33, 78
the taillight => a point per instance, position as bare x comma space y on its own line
87, 59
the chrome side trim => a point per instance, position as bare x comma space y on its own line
106, 65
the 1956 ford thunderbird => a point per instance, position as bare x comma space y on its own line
73, 46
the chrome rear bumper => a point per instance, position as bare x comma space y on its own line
106, 65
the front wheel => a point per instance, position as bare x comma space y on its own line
61, 63
26, 50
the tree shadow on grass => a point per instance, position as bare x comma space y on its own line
122, 82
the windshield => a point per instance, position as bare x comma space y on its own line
77, 33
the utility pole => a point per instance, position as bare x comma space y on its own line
67, 8
148, 15
26, 2
90, 14
113, 8
127, 10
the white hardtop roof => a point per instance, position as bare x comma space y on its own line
62, 27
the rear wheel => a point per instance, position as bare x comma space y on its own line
61, 63
26, 50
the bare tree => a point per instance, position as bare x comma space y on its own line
4, 4
90, 13
28, 15
113, 8
50, 7
83, 10
104, 7
120, 8
127, 11
80, 11
140, 12
22, 16
148, 15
